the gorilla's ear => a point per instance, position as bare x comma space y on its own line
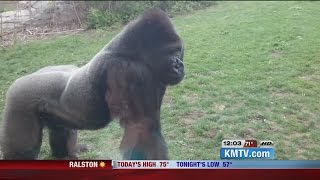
150, 31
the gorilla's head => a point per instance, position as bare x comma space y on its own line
152, 40
171, 67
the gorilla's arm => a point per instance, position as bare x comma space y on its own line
140, 142
134, 96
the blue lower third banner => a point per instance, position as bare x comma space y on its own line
215, 164
247, 153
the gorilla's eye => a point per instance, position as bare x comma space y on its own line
176, 53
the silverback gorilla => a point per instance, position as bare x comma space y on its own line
127, 80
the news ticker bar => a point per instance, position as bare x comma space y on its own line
219, 164
158, 164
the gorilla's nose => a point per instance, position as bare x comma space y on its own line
178, 65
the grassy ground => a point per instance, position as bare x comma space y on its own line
252, 71
7, 6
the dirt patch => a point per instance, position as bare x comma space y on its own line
180, 143
248, 133
282, 94
28, 34
312, 77
167, 101
190, 117
274, 126
210, 134
220, 107
238, 105
257, 117
193, 97
275, 54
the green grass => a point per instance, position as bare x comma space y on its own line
7, 6
252, 71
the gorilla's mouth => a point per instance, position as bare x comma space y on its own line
175, 72
175, 77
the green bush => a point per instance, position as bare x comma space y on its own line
129, 10
103, 14
99, 19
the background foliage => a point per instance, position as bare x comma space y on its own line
108, 13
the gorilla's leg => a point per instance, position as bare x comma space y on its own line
62, 140
23, 135
58, 139
63, 143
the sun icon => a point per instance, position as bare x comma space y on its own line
102, 164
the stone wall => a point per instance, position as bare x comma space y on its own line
30, 14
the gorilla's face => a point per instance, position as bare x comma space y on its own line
172, 68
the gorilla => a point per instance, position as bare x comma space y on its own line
127, 80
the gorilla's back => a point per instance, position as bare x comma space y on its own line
36, 87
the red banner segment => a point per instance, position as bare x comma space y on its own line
165, 174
